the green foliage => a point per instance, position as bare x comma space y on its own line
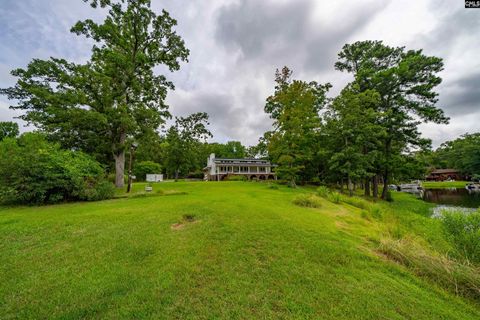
463, 230
231, 150
357, 202
307, 200
236, 178
323, 191
376, 212
116, 95
34, 171
141, 169
463, 279
353, 134
182, 141
294, 108
404, 82
334, 197
195, 175
8, 130
462, 154
272, 186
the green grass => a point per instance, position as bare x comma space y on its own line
247, 252
444, 184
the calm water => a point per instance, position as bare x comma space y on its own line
457, 197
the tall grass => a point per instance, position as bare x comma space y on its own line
334, 197
307, 200
463, 231
357, 202
323, 191
460, 278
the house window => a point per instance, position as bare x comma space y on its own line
262, 169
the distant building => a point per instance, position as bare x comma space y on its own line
445, 174
253, 169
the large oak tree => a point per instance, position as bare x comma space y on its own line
117, 94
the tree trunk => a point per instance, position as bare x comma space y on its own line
367, 187
119, 169
386, 173
375, 186
119, 156
176, 175
385, 184
350, 186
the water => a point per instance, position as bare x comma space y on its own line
456, 197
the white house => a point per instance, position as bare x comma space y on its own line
254, 169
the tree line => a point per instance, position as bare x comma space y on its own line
369, 132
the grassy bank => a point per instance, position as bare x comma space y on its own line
220, 250
444, 184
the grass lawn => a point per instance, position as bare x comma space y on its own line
444, 184
249, 254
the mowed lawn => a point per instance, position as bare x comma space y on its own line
444, 184
249, 254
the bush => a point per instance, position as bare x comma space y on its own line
34, 171
195, 175
334, 197
323, 191
236, 178
463, 231
307, 200
111, 178
272, 186
97, 191
141, 169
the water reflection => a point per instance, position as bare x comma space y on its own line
458, 197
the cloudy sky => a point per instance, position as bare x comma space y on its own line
236, 45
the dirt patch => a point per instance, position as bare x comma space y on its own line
186, 219
177, 226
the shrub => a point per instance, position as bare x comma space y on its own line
101, 190
323, 191
34, 171
307, 200
236, 178
463, 231
141, 169
195, 175
272, 186
111, 178
334, 197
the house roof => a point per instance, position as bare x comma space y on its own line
440, 171
238, 159
246, 164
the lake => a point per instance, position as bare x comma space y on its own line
457, 197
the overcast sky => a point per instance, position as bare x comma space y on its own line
236, 45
